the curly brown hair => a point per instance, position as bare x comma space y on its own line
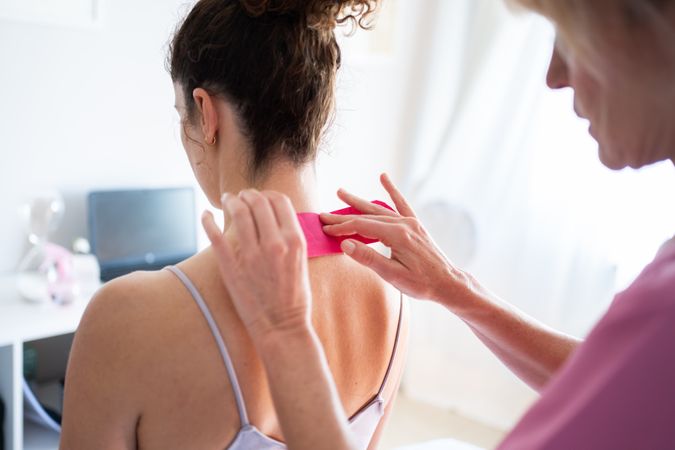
274, 60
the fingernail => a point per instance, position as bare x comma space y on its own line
224, 197
348, 247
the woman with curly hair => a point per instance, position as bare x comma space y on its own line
162, 359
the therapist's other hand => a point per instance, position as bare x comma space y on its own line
417, 267
262, 258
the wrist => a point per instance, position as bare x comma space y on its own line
271, 325
279, 343
461, 293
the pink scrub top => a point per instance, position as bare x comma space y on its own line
617, 391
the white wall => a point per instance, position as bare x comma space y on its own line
85, 107
90, 106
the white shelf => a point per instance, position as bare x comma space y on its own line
11, 394
22, 322
37, 437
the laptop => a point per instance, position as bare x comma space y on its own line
141, 229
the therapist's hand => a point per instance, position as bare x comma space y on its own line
262, 258
417, 267
263, 262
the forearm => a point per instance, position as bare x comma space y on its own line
269, 287
304, 394
418, 268
533, 351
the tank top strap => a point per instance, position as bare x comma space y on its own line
234, 382
393, 352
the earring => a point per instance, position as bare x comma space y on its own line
212, 141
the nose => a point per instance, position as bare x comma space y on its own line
557, 75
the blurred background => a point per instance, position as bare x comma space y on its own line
448, 96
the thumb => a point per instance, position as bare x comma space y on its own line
223, 252
368, 257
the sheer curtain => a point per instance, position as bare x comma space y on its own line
509, 183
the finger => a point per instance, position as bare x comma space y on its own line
402, 205
361, 253
333, 219
242, 221
289, 223
212, 231
219, 244
262, 212
381, 231
226, 216
284, 212
227, 262
364, 206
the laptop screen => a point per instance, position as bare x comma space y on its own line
141, 229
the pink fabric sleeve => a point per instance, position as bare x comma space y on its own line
618, 389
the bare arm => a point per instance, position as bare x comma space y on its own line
418, 268
99, 412
305, 397
265, 271
530, 349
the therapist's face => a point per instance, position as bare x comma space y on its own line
628, 97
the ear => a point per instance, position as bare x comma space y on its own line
208, 113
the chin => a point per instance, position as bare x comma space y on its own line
619, 160
610, 160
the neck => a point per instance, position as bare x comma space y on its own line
298, 183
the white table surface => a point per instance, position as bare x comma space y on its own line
22, 321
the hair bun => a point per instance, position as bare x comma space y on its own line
318, 14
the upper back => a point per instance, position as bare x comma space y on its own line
183, 392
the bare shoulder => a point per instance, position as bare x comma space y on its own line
127, 303
104, 378
133, 293
124, 324
112, 337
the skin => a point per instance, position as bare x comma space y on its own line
531, 350
275, 243
622, 85
144, 370
633, 129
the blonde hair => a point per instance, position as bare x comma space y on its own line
566, 12
588, 25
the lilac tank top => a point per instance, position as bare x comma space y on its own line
365, 421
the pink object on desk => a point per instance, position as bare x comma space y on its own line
318, 242
58, 268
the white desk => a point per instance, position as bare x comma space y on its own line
21, 322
